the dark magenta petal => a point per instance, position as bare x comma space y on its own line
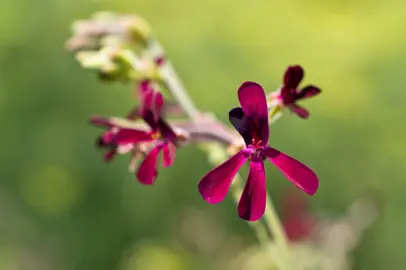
293, 76
108, 137
152, 108
143, 88
169, 154
150, 119
308, 92
253, 199
253, 102
237, 119
166, 130
215, 184
153, 101
288, 95
147, 171
110, 155
296, 172
300, 111
125, 136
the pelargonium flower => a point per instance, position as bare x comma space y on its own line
298, 221
251, 121
289, 94
160, 138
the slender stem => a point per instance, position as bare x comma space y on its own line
279, 236
174, 83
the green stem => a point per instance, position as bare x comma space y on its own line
173, 82
278, 233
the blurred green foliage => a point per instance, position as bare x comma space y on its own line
59, 202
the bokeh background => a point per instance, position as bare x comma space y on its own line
62, 207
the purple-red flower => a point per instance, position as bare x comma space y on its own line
289, 94
298, 221
160, 138
251, 121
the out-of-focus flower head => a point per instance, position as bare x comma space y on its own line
251, 121
106, 43
297, 219
107, 28
289, 93
143, 143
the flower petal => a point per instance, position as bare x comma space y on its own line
253, 102
308, 92
147, 171
296, 172
110, 155
293, 76
144, 87
153, 101
215, 184
237, 119
169, 154
166, 130
300, 111
253, 199
126, 135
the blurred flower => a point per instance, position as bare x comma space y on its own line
159, 138
99, 30
251, 121
119, 64
297, 219
288, 95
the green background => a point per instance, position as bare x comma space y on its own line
62, 208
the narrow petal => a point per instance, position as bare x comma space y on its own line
147, 171
215, 184
300, 111
143, 88
169, 154
253, 199
166, 130
150, 119
288, 94
253, 102
125, 136
153, 102
293, 76
108, 137
296, 172
110, 155
308, 92
237, 119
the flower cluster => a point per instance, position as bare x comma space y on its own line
147, 144
122, 48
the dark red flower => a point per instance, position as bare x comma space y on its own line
297, 219
251, 121
160, 137
289, 94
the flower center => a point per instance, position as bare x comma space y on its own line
156, 135
256, 149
